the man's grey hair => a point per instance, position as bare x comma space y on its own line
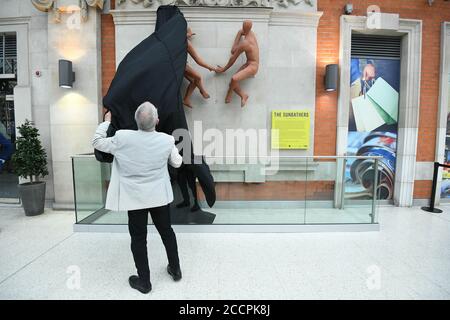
146, 116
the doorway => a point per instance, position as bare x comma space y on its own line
8, 180
373, 114
410, 32
8, 80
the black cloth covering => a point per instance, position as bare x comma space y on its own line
153, 71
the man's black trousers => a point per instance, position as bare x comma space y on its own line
137, 225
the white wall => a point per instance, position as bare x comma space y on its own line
65, 118
73, 112
31, 98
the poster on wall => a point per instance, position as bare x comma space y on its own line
373, 126
293, 129
445, 185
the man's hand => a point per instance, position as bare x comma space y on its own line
108, 116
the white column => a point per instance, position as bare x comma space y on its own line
73, 112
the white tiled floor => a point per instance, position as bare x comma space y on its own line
411, 254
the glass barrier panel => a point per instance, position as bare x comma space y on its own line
362, 180
335, 195
290, 190
255, 193
90, 180
321, 185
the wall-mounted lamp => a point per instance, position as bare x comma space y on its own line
331, 77
66, 75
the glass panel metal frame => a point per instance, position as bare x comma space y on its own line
285, 211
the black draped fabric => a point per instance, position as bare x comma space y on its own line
153, 71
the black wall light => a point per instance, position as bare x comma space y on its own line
66, 75
331, 77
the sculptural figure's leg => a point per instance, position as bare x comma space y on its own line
196, 81
230, 89
191, 87
229, 93
243, 74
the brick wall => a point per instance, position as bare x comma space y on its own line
274, 190
108, 51
326, 102
422, 189
328, 52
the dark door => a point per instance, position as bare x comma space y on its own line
8, 180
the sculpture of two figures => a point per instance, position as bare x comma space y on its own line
245, 42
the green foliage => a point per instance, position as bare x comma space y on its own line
30, 158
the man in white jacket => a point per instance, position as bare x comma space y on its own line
140, 183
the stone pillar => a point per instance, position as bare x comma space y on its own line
73, 112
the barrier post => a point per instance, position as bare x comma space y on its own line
431, 208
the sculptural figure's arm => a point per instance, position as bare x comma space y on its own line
238, 50
193, 53
236, 41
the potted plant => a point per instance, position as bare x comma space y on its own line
30, 162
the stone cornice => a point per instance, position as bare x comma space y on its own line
15, 20
130, 17
221, 3
193, 14
222, 14
360, 23
295, 18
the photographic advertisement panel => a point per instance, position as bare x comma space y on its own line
373, 126
445, 185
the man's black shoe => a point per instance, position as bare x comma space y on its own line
139, 285
176, 275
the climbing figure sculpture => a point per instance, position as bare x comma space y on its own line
249, 46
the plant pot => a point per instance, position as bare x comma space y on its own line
32, 195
